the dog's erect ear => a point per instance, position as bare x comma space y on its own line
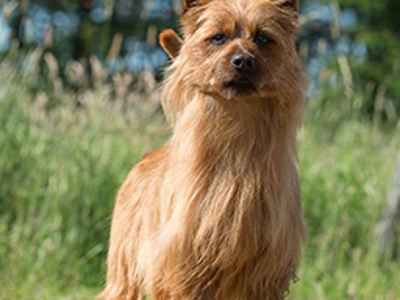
187, 4
291, 4
170, 42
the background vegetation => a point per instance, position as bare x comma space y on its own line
79, 106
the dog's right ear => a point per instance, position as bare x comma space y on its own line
191, 11
187, 4
170, 42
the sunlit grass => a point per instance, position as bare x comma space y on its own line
60, 169
344, 184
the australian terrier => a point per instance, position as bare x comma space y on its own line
216, 212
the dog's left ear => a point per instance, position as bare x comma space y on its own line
290, 4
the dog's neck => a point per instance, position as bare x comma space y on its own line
232, 165
233, 130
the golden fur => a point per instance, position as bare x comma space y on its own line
216, 212
171, 42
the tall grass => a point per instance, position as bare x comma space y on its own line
344, 182
61, 162
63, 155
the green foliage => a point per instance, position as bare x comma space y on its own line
379, 28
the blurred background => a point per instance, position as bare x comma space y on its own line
80, 105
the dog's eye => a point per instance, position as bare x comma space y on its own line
261, 39
219, 39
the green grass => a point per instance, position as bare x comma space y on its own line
61, 164
344, 185
60, 169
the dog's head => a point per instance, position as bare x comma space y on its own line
239, 48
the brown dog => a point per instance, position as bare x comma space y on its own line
216, 212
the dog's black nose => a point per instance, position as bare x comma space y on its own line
243, 62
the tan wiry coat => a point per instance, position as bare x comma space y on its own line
216, 212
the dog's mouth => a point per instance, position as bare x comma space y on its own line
240, 87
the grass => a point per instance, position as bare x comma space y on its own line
59, 171
344, 184
63, 157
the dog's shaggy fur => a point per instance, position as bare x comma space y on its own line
216, 212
